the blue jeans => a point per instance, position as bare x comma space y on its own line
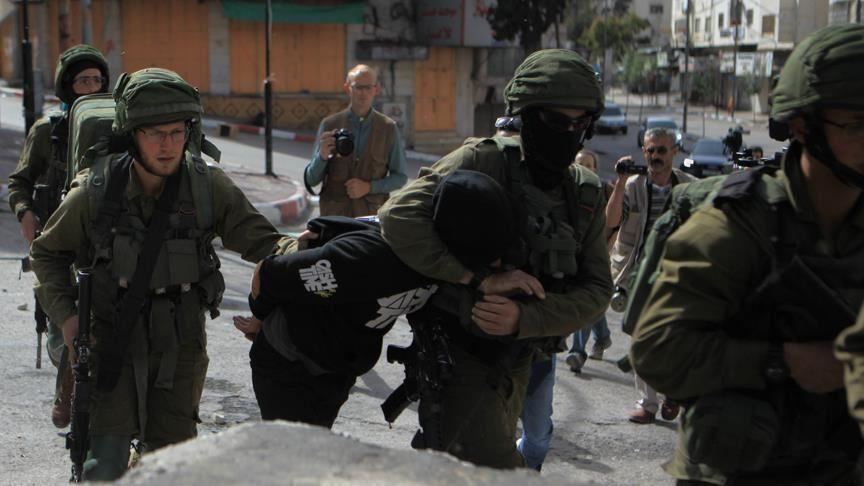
537, 414
580, 337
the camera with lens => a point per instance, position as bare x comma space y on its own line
628, 166
344, 141
619, 299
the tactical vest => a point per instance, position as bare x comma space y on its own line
807, 297
551, 234
186, 279
370, 165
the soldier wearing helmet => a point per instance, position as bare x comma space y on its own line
753, 289
560, 260
150, 355
36, 185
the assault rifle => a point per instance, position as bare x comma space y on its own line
428, 365
78, 438
39, 314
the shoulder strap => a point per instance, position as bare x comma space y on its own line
135, 297
202, 192
582, 199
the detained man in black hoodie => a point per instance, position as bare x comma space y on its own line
321, 314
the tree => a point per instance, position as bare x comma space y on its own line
615, 33
527, 19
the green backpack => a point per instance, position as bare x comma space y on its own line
684, 200
90, 135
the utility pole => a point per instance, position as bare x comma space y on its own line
63, 24
86, 23
735, 21
685, 85
29, 95
605, 42
268, 94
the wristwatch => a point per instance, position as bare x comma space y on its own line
775, 369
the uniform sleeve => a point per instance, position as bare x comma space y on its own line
396, 169
242, 228
314, 171
588, 293
32, 164
406, 221
55, 250
850, 351
679, 347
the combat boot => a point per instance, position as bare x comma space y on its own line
62, 410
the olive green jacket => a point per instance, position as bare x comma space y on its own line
406, 223
711, 266
68, 232
37, 155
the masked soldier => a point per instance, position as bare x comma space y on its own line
559, 211
754, 288
36, 185
156, 202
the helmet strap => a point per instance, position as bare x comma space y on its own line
817, 145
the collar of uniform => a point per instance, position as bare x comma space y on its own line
354, 118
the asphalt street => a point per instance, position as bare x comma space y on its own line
592, 439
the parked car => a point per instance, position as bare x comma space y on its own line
659, 122
612, 120
708, 157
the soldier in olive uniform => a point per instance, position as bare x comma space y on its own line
754, 288
37, 184
150, 388
562, 243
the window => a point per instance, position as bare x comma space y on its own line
656, 9
696, 23
749, 15
720, 21
707, 25
768, 25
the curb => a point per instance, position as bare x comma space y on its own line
256, 130
19, 93
288, 211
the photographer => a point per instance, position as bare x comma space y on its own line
357, 177
637, 200
734, 140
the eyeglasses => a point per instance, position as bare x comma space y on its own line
560, 122
850, 130
362, 87
158, 136
89, 81
661, 150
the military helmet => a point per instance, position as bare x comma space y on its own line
823, 71
153, 96
81, 55
554, 77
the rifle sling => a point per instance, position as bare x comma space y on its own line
135, 298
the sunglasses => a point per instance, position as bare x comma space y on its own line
660, 150
560, 122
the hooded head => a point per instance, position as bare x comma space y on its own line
473, 216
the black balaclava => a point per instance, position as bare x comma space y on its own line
77, 68
817, 145
548, 152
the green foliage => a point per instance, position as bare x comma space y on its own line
703, 86
581, 13
635, 67
750, 84
616, 33
527, 19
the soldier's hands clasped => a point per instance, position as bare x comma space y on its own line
70, 332
813, 366
29, 226
496, 315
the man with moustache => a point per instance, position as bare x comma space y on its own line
143, 221
357, 184
636, 202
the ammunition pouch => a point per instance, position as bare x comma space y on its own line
730, 431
